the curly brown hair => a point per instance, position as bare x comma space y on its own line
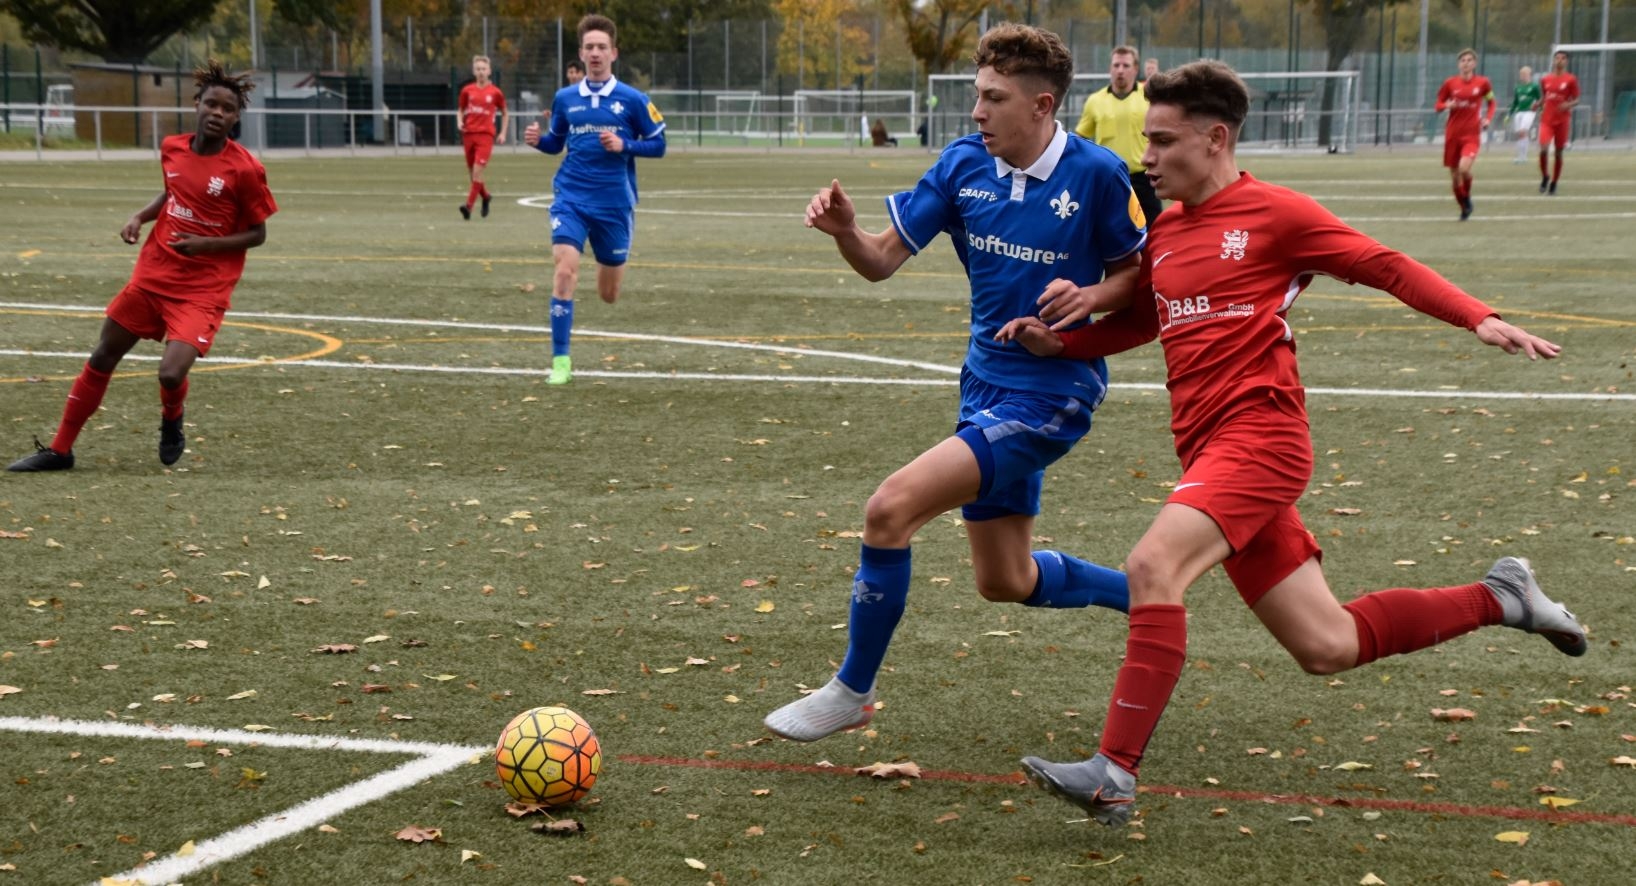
1024, 50
214, 74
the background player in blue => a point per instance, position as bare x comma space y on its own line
1043, 221
605, 125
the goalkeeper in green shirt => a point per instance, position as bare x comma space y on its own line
1525, 101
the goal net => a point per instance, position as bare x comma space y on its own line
1289, 110
846, 115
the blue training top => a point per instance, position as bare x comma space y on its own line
1015, 230
590, 174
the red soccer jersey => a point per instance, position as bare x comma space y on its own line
478, 105
1558, 89
1464, 100
1217, 281
209, 196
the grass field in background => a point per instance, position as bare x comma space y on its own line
666, 546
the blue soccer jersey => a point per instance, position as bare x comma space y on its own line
1016, 230
579, 115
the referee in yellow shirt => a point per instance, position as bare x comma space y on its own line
1114, 118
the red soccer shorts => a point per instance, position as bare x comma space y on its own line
478, 148
1459, 147
163, 319
1247, 478
1553, 132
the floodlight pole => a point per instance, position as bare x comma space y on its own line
377, 72
1420, 55
255, 38
1121, 25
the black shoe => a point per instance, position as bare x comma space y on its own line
1544, 182
465, 212
485, 207
171, 440
1466, 207
44, 459
1552, 191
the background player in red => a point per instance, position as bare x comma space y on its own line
1561, 91
1463, 96
1222, 267
479, 100
213, 208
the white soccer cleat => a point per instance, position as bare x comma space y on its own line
829, 710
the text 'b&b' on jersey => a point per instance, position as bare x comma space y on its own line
1464, 100
591, 174
1016, 230
478, 105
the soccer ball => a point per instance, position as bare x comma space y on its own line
548, 756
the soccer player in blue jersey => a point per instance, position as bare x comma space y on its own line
605, 125
1044, 222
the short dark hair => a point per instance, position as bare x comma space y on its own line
1012, 49
594, 22
1205, 88
213, 74
576, 65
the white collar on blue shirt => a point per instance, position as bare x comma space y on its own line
1040, 170
607, 88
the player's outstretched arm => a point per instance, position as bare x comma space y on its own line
1515, 339
132, 231
1065, 303
874, 256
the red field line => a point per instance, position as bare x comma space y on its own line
1456, 810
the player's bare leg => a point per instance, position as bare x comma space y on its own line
565, 277
608, 280
173, 372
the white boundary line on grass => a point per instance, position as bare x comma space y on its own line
433, 759
945, 371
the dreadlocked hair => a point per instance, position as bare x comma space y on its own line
214, 74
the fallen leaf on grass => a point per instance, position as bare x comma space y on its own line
328, 829
562, 827
416, 834
764, 606
9, 690
1353, 766
696, 865
1518, 837
890, 770
1556, 802
1371, 880
1453, 715
1616, 761
248, 693
469, 854
518, 810
335, 648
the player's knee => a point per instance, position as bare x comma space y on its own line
1152, 577
1324, 660
609, 293
888, 517
172, 377
1004, 587
564, 281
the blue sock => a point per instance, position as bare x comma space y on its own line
879, 594
562, 325
1070, 583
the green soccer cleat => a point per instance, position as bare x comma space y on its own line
562, 369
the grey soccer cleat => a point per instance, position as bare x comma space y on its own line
1526, 607
1097, 785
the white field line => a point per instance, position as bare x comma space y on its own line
432, 759
945, 371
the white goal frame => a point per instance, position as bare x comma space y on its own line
1281, 118
1600, 103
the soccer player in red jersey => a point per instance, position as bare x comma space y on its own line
1222, 267
1561, 91
214, 207
1463, 97
479, 100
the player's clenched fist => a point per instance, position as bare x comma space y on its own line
831, 210
531, 134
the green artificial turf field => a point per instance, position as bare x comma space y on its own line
666, 546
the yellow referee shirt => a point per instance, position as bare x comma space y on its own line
1116, 124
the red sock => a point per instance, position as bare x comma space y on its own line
171, 400
83, 399
485, 191
1154, 655
1556, 167
471, 194
1405, 619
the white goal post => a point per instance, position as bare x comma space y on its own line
1599, 113
1286, 108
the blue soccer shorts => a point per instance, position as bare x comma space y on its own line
607, 227
1015, 435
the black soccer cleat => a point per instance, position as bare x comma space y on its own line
1466, 206
172, 442
44, 458
485, 207
1552, 190
465, 212
1544, 182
